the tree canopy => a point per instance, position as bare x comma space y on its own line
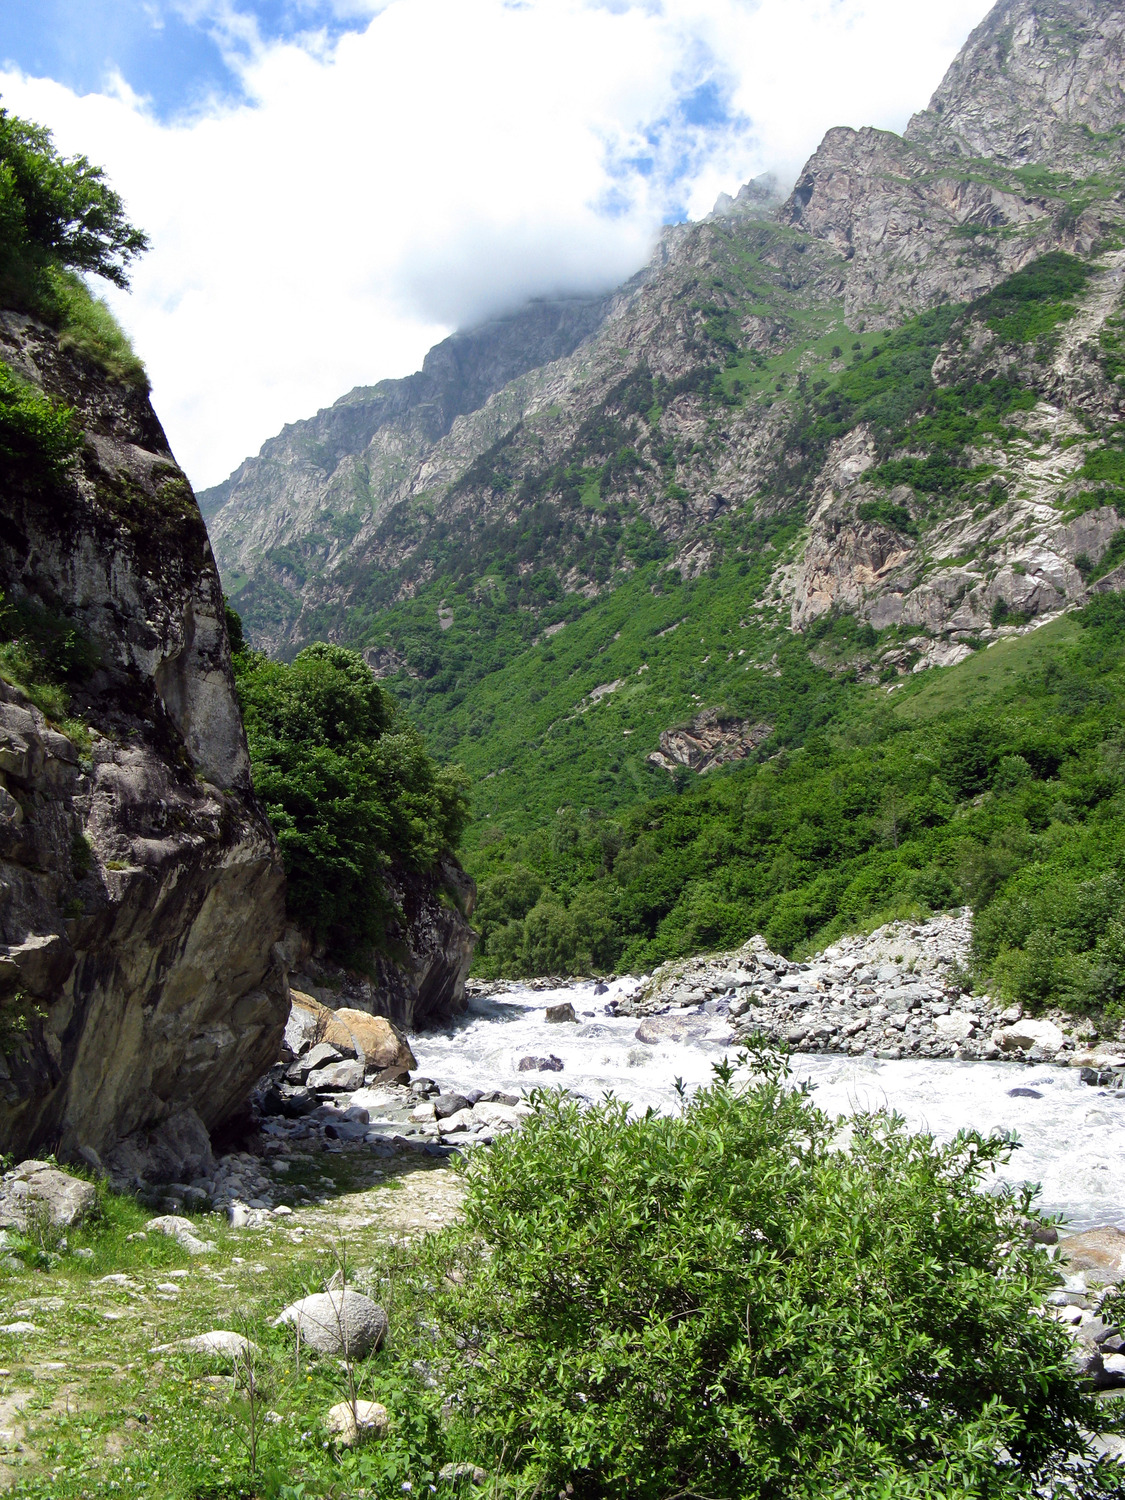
57, 210
348, 787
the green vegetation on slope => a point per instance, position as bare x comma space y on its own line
38, 436
1011, 801
59, 221
45, 655
348, 787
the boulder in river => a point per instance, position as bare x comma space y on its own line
382, 1044
1101, 1251
448, 1105
668, 1029
338, 1077
550, 1064
559, 1013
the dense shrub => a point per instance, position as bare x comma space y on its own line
745, 1301
348, 787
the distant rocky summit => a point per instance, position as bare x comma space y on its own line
1017, 156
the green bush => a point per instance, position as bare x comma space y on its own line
1035, 300
43, 653
38, 436
348, 787
747, 1300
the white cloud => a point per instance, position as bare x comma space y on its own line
450, 159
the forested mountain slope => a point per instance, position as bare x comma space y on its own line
814, 447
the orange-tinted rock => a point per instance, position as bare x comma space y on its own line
382, 1044
1098, 1251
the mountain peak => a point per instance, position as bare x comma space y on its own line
1033, 83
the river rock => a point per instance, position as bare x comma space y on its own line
550, 1064
322, 1055
667, 1029
1027, 1034
560, 1013
300, 1030
1099, 1251
337, 1322
324, 1025
381, 1043
368, 1419
339, 1077
220, 1341
183, 1232
957, 1026
37, 1187
447, 1105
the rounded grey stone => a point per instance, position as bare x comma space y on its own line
337, 1322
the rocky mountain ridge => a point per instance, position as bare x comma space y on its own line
778, 370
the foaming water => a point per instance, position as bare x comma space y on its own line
1072, 1136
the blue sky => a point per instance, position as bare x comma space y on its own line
331, 186
178, 56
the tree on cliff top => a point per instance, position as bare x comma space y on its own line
57, 210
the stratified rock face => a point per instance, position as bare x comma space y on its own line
1033, 83
142, 890
710, 740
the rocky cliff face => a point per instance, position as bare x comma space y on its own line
420, 980
295, 509
142, 894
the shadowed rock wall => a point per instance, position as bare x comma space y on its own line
141, 892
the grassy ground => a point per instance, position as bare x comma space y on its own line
90, 1406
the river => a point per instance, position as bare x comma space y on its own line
1072, 1136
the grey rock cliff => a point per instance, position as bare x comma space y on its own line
141, 892
420, 981
1036, 82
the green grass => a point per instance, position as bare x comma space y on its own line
103, 1411
89, 329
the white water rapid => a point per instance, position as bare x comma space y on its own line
1072, 1136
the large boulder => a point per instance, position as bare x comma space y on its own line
348, 1422
1099, 1252
317, 1023
36, 1188
1027, 1035
337, 1322
382, 1044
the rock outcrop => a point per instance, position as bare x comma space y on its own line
418, 980
710, 740
141, 992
